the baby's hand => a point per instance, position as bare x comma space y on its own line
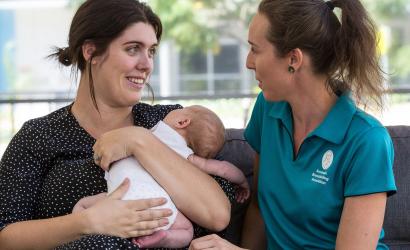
87, 202
242, 192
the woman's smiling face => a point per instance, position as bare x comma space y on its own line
120, 74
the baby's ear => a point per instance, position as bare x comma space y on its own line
183, 122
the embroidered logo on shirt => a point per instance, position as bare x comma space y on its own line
327, 159
320, 175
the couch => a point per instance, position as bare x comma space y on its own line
397, 218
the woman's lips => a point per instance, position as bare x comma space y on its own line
136, 83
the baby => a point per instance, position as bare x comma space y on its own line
194, 132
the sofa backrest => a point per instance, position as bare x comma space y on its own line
397, 218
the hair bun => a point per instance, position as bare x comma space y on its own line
64, 56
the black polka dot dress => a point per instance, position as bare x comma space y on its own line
48, 167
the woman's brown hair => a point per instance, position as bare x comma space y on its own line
344, 50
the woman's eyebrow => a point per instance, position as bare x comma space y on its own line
251, 43
139, 43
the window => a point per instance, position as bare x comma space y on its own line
212, 73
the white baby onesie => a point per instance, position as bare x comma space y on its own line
142, 185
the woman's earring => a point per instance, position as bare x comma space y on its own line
291, 69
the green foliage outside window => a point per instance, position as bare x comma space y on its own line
195, 25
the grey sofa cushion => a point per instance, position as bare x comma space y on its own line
397, 218
398, 245
237, 151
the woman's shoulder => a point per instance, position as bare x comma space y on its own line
146, 115
365, 132
366, 125
35, 135
60, 115
39, 130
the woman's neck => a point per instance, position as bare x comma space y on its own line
310, 104
97, 122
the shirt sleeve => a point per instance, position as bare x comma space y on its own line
371, 167
253, 130
20, 179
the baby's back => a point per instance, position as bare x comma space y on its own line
142, 185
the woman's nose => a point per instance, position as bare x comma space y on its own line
145, 62
250, 61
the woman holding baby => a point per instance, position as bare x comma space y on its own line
50, 163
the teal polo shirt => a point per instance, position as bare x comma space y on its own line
301, 199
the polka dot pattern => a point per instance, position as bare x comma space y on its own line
48, 167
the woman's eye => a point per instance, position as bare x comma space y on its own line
132, 50
152, 52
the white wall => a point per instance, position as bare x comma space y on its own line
37, 30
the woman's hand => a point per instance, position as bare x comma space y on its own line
133, 218
114, 145
87, 202
212, 241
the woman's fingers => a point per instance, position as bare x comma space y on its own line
138, 233
153, 214
105, 163
212, 241
113, 146
121, 190
150, 225
206, 242
136, 227
126, 218
103, 158
143, 204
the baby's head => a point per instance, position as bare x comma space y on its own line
201, 128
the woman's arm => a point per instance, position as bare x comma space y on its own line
43, 234
361, 221
253, 233
195, 193
368, 179
110, 216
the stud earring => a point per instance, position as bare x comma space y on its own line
291, 69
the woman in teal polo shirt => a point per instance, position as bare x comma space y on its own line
323, 168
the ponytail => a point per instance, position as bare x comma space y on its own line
62, 56
356, 53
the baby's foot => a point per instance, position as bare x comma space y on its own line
152, 240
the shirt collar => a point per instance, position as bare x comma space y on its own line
336, 123
167, 133
333, 128
283, 112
